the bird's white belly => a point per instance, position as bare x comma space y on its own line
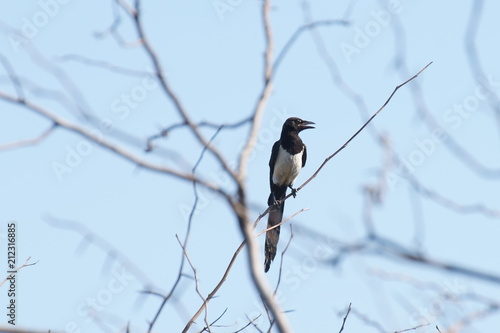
287, 167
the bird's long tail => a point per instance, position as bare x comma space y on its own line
272, 236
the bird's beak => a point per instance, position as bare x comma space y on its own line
305, 124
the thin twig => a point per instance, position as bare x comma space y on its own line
282, 222
186, 238
345, 318
197, 284
282, 258
29, 142
167, 130
216, 289
219, 317
361, 128
295, 36
413, 328
251, 321
349, 140
26, 264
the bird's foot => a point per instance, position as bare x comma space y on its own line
272, 201
294, 191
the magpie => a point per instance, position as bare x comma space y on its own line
288, 157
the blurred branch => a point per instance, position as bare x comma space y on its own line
474, 60
384, 247
392, 248
102, 64
295, 36
477, 208
29, 142
425, 114
102, 244
368, 321
467, 320
5, 329
112, 29
334, 71
13, 77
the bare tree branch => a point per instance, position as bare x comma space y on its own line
477, 208
101, 141
135, 13
265, 93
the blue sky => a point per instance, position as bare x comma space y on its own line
214, 61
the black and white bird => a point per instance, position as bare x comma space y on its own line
288, 157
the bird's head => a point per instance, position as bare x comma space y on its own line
297, 124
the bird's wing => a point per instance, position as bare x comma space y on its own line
304, 156
272, 161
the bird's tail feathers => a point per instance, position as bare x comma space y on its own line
272, 236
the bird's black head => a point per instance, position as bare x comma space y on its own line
297, 124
